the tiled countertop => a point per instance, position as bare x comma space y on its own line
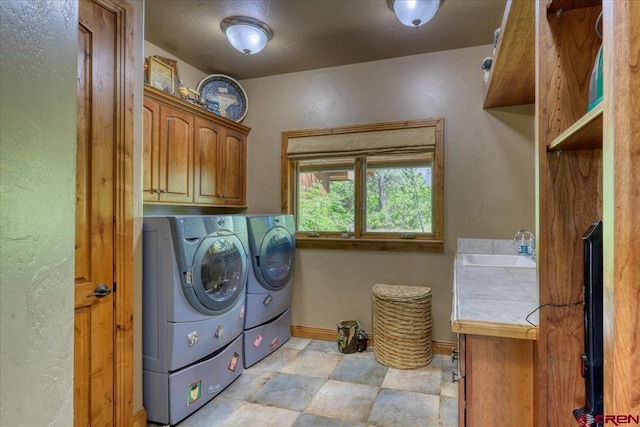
493, 301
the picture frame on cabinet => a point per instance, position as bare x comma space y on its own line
161, 75
173, 63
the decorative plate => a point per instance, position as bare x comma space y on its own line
224, 96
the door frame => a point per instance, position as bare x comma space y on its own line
124, 215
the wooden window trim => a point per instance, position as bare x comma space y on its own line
433, 242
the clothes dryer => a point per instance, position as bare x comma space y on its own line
195, 270
269, 285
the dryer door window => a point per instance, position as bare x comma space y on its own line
219, 272
277, 257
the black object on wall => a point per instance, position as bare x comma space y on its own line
592, 358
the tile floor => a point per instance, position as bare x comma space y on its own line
309, 383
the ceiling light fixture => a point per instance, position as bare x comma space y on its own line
248, 35
414, 13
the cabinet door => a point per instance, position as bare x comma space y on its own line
176, 156
150, 150
207, 187
498, 381
462, 385
233, 167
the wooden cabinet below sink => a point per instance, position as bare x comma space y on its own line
191, 156
496, 381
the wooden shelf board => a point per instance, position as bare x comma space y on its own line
555, 5
512, 76
584, 134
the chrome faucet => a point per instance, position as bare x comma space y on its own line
528, 248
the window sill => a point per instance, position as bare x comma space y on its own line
370, 244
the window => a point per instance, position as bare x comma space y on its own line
377, 186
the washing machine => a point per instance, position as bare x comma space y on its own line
195, 271
269, 285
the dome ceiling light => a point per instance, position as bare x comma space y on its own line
248, 35
414, 13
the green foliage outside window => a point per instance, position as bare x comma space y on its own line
319, 210
398, 199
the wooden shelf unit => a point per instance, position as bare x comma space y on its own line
512, 75
588, 169
569, 199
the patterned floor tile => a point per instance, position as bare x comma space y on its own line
323, 346
345, 401
309, 383
288, 391
360, 370
250, 414
213, 414
276, 360
312, 364
448, 416
309, 420
421, 380
297, 343
398, 408
247, 384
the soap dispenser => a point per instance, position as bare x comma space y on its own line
530, 244
525, 246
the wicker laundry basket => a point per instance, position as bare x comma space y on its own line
402, 325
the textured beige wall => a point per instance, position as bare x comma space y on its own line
37, 208
489, 170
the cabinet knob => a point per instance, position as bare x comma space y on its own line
156, 190
164, 191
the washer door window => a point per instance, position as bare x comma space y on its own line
219, 273
277, 256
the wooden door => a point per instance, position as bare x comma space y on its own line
207, 188
176, 155
94, 255
150, 150
232, 172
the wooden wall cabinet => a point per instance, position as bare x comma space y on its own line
220, 162
191, 156
495, 385
167, 154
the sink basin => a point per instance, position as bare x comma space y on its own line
485, 260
